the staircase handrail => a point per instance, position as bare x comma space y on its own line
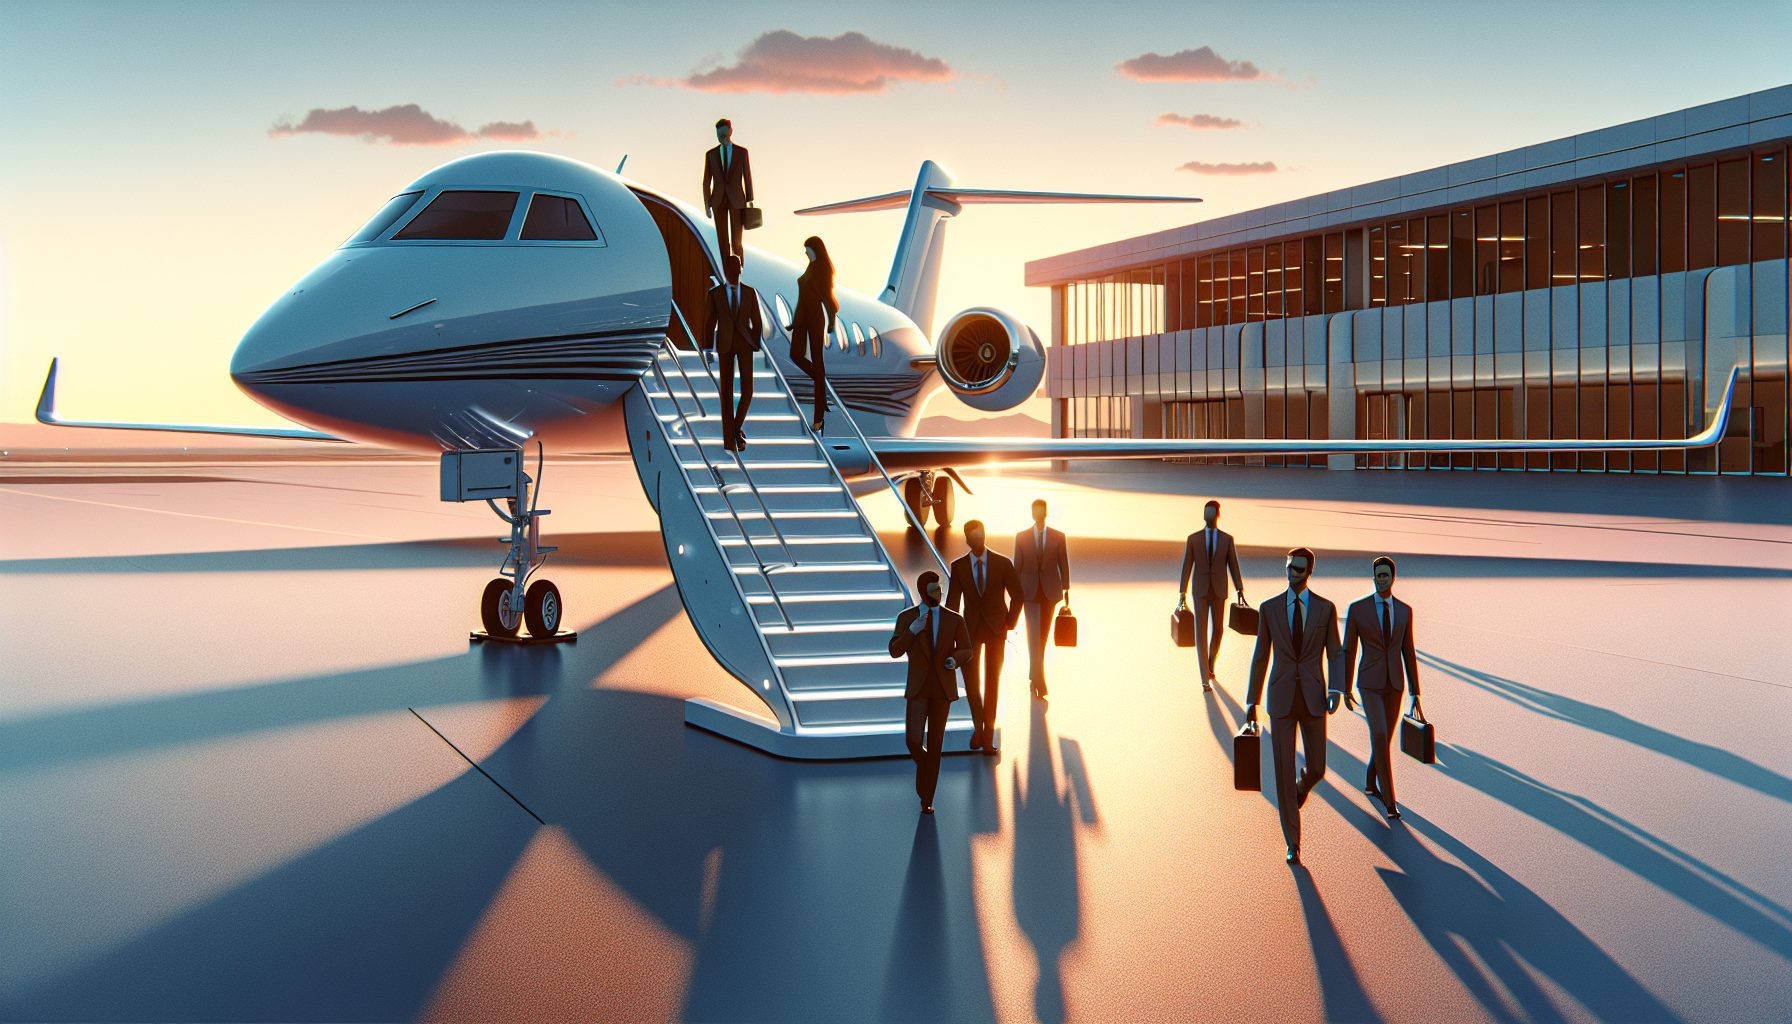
746, 538
907, 594
747, 474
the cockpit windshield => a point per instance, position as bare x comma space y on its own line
388, 216
462, 216
556, 219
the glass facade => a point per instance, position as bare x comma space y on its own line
1602, 308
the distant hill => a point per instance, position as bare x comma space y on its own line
1017, 424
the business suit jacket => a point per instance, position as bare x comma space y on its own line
1044, 574
991, 614
1389, 664
731, 186
733, 331
928, 675
1300, 667
1210, 574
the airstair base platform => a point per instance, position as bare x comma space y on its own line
782, 575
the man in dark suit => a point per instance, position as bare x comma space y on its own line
1382, 624
1208, 554
1301, 629
727, 188
1043, 563
989, 589
732, 328
936, 644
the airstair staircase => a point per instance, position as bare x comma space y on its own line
781, 573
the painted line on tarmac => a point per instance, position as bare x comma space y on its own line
475, 765
194, 515
1615, 654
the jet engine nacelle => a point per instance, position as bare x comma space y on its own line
990, 358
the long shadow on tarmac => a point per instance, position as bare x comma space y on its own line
825, 891
1510, 933
1716, 760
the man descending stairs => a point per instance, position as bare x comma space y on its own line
781, 573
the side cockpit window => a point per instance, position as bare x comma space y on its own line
556, 219
388, 216
462, 216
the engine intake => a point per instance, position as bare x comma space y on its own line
990, 358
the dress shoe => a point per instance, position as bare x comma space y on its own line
991, 749
1294, 857
976, 740
926, 808
1393, 814
1373, 791
1206, 686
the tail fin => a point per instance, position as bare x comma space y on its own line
915, 272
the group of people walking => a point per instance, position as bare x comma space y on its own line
1300, 669
734, 324
963, 627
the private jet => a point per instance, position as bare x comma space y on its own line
510, 301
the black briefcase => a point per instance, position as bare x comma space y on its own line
1242, 618
1418, 739
752, 217
1247, 759
1182, 626
1064, 628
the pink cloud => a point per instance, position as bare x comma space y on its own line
1264, 167
782, 61
1198, 121
407, 125
1201, 65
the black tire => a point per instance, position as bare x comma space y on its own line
541, 609
492, 605
945, 498
914, 494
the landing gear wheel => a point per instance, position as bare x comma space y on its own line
541, 609
496, 612
916, 496
945, 501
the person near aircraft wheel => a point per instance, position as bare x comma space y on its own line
809, 328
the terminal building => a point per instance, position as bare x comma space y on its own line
1599, 286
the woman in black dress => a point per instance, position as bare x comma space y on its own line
808, 327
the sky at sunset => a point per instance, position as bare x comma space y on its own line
167, 169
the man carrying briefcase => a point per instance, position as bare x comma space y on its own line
1382, 625
1206, 558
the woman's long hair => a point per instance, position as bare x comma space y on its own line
822, 266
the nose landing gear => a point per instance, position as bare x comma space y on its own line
510, 601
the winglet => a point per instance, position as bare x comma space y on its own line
1720, 423
46, 400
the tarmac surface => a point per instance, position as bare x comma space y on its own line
239, 718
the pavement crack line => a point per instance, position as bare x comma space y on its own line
482, 771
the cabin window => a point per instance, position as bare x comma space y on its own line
388, 216
877, 343
783, 311
858, 338
556, 219
462, 216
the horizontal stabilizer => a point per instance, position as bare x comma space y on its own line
46, 413
976, 196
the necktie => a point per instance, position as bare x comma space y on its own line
979, 576
1210, 545
1300, 626
1386, 630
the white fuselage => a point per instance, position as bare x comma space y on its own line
433, 343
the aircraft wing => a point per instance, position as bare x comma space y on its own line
46, 413
906, 454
